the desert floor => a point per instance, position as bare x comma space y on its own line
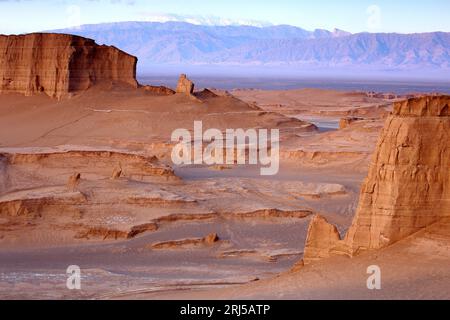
143, 233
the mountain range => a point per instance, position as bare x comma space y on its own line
178, 43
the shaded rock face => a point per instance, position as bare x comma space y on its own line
408, 185
59, 64
211, 238
185, 85
321, 237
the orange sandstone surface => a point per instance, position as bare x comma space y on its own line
60, 64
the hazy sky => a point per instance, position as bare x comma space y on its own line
18, 16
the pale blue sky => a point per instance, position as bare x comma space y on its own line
18, 16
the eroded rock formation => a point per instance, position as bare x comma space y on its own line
59, 64
185, 85
117, 172
321, 237
159, 90
209, 240
408, 185
74, 181
348, 121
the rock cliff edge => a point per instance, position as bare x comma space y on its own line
60, 64
408, 185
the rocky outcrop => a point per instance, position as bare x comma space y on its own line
321, 238
408, 185
185, 85
159, 90
39, 202
117, 172
348, 121
209, 240
73, 181
60, 64
142, 228
271, 213
131, 165
205, 94
101, 233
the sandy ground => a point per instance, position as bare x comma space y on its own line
414, 268
136, 235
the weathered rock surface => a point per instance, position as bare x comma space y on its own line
131, 165
408, 185
59, 64
74, 181
159, 90
185, 85
348, 121
117, 172
33, 203
321, 237
209, 240
205, 94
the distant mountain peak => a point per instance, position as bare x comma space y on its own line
340, 33
204, 20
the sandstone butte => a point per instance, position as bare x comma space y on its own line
185, 85
407, 187
60, 64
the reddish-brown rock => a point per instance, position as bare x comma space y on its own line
408, 185
346, 122
211, 238
117, 172
159, 90
432, 106
185, 85
322, 236
73, 181
59, 64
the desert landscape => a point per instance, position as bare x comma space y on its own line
87, 179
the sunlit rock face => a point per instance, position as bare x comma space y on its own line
59, 64
408, 185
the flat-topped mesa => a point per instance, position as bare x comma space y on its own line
430, 106
408, 184
60, 64
185, 85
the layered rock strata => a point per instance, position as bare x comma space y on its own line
60, 64
408, 185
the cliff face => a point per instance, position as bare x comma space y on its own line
58, 64
408, 185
